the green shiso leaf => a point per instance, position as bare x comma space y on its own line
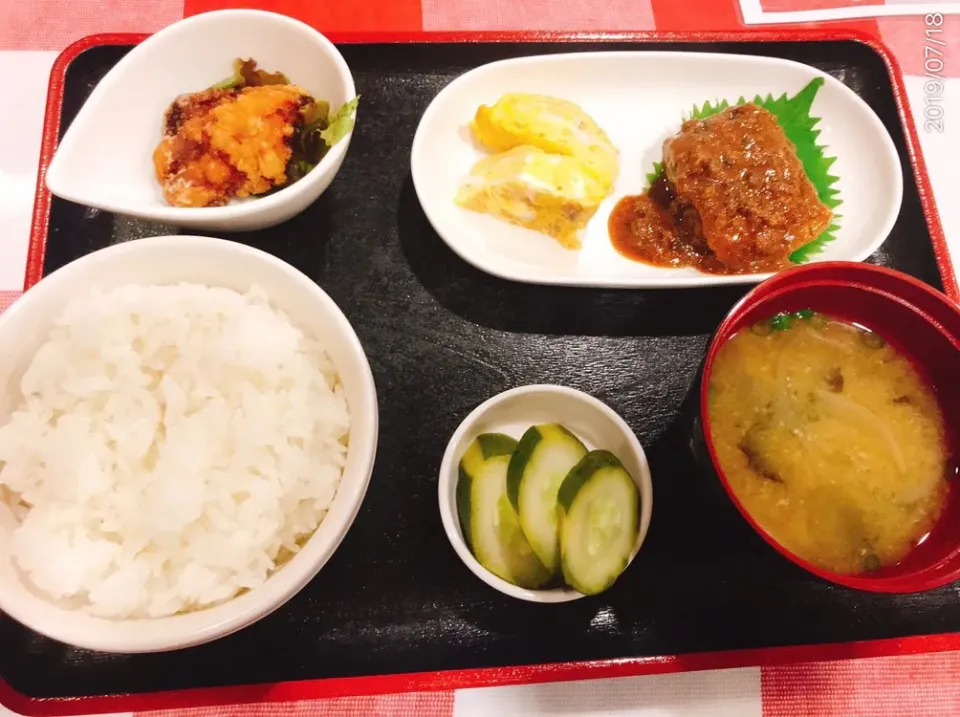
793, 116
657, 170
811, 249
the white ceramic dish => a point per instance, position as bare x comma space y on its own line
640, 98
105, 158
214, 262
514, 411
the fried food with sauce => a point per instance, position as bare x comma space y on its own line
740, 191
222, 144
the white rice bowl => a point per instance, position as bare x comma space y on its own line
169, 260
173, 445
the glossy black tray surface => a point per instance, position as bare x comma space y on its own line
442, 337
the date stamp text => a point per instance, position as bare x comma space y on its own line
934, 47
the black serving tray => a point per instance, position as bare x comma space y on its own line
441, 337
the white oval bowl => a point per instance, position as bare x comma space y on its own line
213, 262
513, 412
640, 99
105, 159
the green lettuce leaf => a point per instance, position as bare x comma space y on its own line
341, 122
321, 130
246, 74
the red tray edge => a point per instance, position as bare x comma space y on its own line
486, 677
481, 677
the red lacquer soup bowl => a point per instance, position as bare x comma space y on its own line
918, 321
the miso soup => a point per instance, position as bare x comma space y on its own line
830, 439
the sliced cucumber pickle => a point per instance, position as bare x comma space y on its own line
489, 521
539, 465
600, 507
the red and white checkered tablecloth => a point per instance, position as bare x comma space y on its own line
32, 32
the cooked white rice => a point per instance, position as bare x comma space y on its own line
173, 446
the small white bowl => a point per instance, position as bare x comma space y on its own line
513, 412
105, 159
213, 262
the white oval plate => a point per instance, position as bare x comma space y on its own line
640, 98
